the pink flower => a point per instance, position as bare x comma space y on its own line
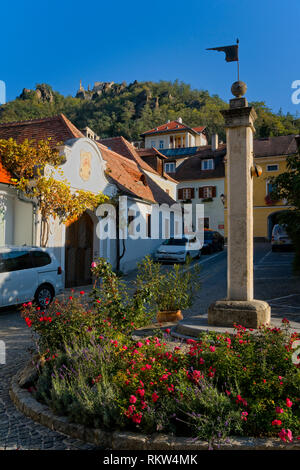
212, 348
124, 347
279, 410
289, 403
140, 392
132, 399
148, 366
155, 397
286, 435
168, 330
190, 341
140, 345
244, 415
94, 264
137, 418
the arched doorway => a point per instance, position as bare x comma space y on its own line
273, 219
79, 251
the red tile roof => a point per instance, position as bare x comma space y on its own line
125, 172
151, 152
5, 177
121, 146
59, 128
173, 126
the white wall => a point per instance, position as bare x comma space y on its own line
164, 184
16, 218
214, 209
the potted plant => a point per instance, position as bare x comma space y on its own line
169, 292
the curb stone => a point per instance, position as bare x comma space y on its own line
118, 440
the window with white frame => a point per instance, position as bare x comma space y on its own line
207, 192
153, 143
207, 164
187, 193
161, 144
272, 167
170, 167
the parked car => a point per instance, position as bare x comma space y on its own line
28, 274
179, 249
213, 241
280, 238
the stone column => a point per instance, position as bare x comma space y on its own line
239, 307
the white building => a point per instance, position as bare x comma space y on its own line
175, 134
90, 166
201, 181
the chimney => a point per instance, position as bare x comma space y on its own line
179, 120
214, 142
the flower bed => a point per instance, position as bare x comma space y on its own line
91, 370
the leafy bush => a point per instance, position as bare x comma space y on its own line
219, 385
168, 290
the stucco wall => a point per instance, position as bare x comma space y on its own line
164, 184
214, 209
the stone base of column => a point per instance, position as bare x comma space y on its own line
250, 313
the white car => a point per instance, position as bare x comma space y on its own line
280, 238
179, 249
28, 274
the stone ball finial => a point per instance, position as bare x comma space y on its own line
238, 89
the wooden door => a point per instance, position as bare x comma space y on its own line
79, 252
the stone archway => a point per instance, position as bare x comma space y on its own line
79, 251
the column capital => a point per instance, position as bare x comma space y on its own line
239, 116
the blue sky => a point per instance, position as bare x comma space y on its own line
61, 42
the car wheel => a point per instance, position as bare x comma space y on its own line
44, 295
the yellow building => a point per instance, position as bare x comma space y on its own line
270, 154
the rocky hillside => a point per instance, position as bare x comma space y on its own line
112, 109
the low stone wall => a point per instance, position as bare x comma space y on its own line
117, 440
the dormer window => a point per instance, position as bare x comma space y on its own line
170, 167
207, 164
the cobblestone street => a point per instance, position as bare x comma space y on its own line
16, 430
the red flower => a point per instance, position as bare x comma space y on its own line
155, 397
168, 330
140, 392
212, 348
279, 410
137, 418
276, 422
132, 399
289, 403
286, 435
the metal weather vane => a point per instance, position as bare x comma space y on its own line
231, 53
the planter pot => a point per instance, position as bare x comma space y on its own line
169, 316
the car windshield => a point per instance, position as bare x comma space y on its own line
176, 241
